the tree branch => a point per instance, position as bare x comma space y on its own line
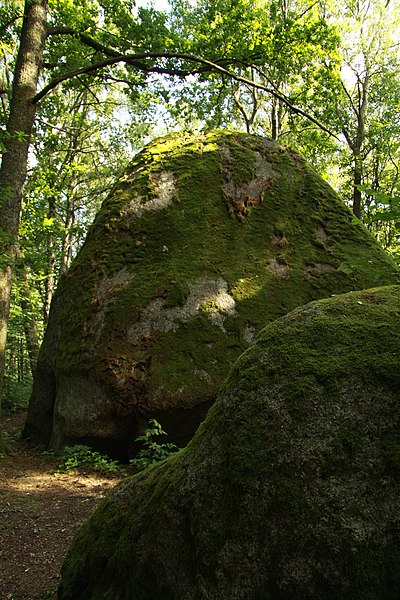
88, 89
349, 97
348, 138
3, 28
136, 60
279, 96
306, 10
85, 39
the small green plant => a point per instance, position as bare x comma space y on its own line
76, 457
152, 452
346, 268
15, 395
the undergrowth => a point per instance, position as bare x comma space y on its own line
16, 394
74, 458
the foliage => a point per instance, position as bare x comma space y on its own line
152, 451
79, 146
16, 393
292, 53
382, 217
78, 457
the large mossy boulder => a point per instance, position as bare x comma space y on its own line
290, 489
203, 240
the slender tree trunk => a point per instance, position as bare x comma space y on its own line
51, 263
14, 160
21, 361
249, 119
356, 140
274, 120
31, 334
363, 87
276, 115
357, 180
66, 254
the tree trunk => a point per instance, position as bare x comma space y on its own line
31, 335
51, 263
276, 115
357, 180
66, 254
14, 160
274, 119
363, 87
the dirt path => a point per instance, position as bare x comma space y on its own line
39, 514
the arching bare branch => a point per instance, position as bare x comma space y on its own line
138, 61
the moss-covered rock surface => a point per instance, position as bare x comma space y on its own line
204, 239
290, 489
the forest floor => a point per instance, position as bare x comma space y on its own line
40, 510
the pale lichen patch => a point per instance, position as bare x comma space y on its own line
166, 186
166, 193
249, 334
221, 304
203, 374
110, 284
321, 236
207, 294
321, 268
279, 269
264, 168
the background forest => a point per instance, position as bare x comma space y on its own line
320, 77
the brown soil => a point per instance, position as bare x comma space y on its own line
40, 510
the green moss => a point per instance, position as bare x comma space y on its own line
246, 288
290, 488
273, 256
244, 161
193, 358
349, 320
166, 250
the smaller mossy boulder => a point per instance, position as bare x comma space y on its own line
203, 240
290, 489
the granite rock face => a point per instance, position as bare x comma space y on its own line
290, 489
203, 240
